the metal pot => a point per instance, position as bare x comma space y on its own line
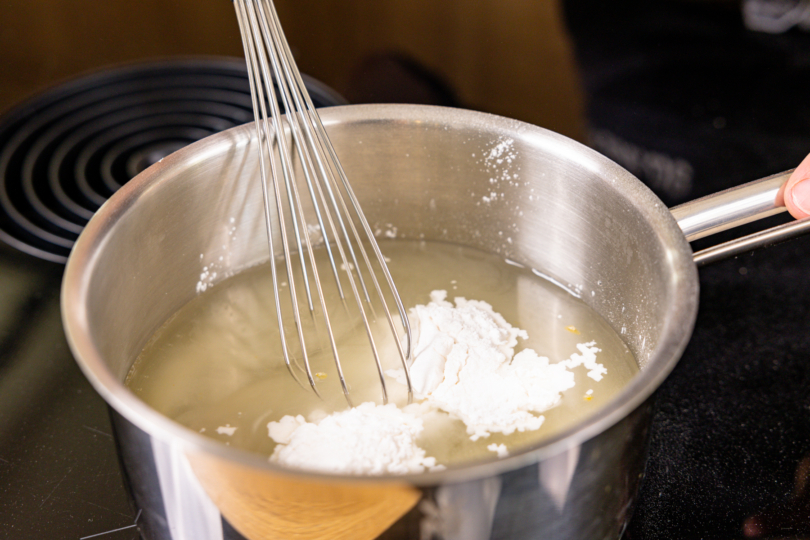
570, 212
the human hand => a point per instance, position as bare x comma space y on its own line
796, 193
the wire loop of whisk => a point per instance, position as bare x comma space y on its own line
275, 79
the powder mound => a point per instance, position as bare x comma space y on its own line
464, 364
367, 439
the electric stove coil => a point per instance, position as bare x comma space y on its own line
66, 151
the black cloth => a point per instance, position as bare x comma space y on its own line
692, 101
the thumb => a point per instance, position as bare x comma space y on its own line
797, 191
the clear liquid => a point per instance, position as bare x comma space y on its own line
217, 361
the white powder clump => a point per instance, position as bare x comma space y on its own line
588, 359
315, 234
500, 449
367, 439
504, 150
464, 364
227, 429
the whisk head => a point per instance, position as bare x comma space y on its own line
299, 168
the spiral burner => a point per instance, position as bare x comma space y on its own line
64, 152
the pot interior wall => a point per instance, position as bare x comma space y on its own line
524, 193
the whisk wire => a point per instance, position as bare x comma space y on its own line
259, 17
260, 113
266, 50
383, 265
282, 61
293, 121
259, 24
307, 108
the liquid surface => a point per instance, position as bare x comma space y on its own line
217, 364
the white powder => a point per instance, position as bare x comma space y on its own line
227, 429
587, 359
368, 439
499, 160
500, 449
209, 275
206, 279
464, 364
503, 151
315, 234
389, 231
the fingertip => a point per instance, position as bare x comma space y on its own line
797, 191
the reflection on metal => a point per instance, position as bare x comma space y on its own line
189, 511
266, 504
461, 511
775, 235
556, 474
730, 208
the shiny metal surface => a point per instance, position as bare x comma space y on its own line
731, 207
769, 237
568, 212
734, 207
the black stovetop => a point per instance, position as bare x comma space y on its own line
730, 452
59, 475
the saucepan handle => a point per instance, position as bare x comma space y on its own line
733, 207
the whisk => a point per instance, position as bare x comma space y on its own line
274, 78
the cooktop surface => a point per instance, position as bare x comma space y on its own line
59, 475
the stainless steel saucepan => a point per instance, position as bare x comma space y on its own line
569, 212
